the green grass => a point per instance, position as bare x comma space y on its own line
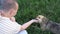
29, 9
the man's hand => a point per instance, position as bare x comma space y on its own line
12, 19
34, 20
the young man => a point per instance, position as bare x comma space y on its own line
8, 25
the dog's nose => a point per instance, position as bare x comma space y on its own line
37, 18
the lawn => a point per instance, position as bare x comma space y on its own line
29, 9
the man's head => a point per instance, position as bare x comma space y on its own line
8, 8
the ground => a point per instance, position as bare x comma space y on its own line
29, 9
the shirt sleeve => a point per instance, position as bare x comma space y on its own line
18, 27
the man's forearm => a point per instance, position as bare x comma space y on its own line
26, 25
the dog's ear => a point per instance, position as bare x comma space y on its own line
45, 20
43, 23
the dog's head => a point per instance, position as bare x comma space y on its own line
42, 20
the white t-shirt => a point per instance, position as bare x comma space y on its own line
8, 27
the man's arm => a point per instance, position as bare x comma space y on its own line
12, 19
26, 25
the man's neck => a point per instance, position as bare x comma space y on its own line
5, 16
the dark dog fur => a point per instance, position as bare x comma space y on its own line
46, 24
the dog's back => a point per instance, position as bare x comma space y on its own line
53, 27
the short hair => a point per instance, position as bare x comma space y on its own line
6, 5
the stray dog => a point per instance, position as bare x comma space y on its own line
47, 24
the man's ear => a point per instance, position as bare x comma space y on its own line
11, 12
